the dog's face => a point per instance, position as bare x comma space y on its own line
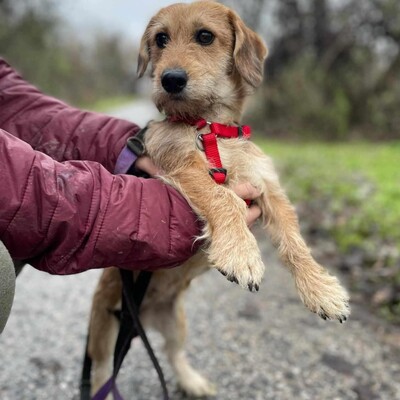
202, 57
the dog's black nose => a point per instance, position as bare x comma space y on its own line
174, 80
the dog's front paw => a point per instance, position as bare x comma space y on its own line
325, 296
239, 261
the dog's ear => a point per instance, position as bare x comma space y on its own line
144, 51
249, 52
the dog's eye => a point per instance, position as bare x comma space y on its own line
204, 37
162, 39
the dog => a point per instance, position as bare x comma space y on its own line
204, 64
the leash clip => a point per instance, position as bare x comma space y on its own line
199, 138
199, 141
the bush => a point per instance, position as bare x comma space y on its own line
307, 101
295, 104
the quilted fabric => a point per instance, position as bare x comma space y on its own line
65, 216
7, 285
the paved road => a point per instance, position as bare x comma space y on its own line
140, 112
263, 346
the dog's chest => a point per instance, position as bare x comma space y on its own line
168, 144
171, 145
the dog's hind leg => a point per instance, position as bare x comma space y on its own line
321, 292
170, 321
103, 328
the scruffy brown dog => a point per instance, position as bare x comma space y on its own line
205, 62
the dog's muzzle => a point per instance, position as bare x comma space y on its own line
174, 80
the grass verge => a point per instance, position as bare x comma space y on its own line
349, 194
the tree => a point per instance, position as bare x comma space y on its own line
333, 66
31, 40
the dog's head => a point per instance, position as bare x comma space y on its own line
203, 58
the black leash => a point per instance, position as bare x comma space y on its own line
133, 293
130, 327
86, 386
138, 288
126, 333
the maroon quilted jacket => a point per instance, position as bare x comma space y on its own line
67, 216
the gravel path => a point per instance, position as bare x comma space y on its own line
253, 346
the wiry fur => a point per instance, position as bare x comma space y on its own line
220, 77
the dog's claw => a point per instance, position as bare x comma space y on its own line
229, 277
232, 279
323, 316
253, 287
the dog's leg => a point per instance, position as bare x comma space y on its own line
103, 328
233, 249
321, 292
170, 321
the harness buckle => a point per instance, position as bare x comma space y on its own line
199, 138
202, 123
218, 174
199, 141
136, 145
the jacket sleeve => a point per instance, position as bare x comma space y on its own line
68, 217
56, 129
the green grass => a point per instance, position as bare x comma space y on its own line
349, 192
360, 179
353, 189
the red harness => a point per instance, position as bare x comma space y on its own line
210, 143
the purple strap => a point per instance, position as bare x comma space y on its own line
124, 161
109, 387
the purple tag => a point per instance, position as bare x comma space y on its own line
124, 161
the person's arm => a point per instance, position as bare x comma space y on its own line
57, 129
68, 217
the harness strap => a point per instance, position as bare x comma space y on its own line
231, 132
210, 146
210, 143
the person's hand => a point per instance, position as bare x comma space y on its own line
247, 191
144, 163
244, 190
